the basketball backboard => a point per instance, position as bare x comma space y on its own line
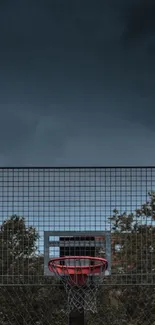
76, 243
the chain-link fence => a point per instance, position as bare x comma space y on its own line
45, 306
119, 200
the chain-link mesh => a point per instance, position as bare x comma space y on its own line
45, 306
119, 200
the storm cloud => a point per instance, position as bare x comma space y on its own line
77, 83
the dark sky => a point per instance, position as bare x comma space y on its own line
77, 82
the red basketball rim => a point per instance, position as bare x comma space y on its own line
54, 265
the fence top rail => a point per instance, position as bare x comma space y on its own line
78, 167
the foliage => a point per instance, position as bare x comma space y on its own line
22, 302
134, 234
17, 247
118, 303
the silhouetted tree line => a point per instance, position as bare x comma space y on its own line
28, 298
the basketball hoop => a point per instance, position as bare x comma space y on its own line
81, 277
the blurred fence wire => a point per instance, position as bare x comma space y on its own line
34, 200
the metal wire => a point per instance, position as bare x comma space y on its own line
120, 200
37, 199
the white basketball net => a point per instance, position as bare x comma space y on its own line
81, 296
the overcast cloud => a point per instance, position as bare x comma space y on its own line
77, 82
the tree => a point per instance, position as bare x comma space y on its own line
128, 297
23, 301
133, 255
17, 246
134, 234
133, 262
